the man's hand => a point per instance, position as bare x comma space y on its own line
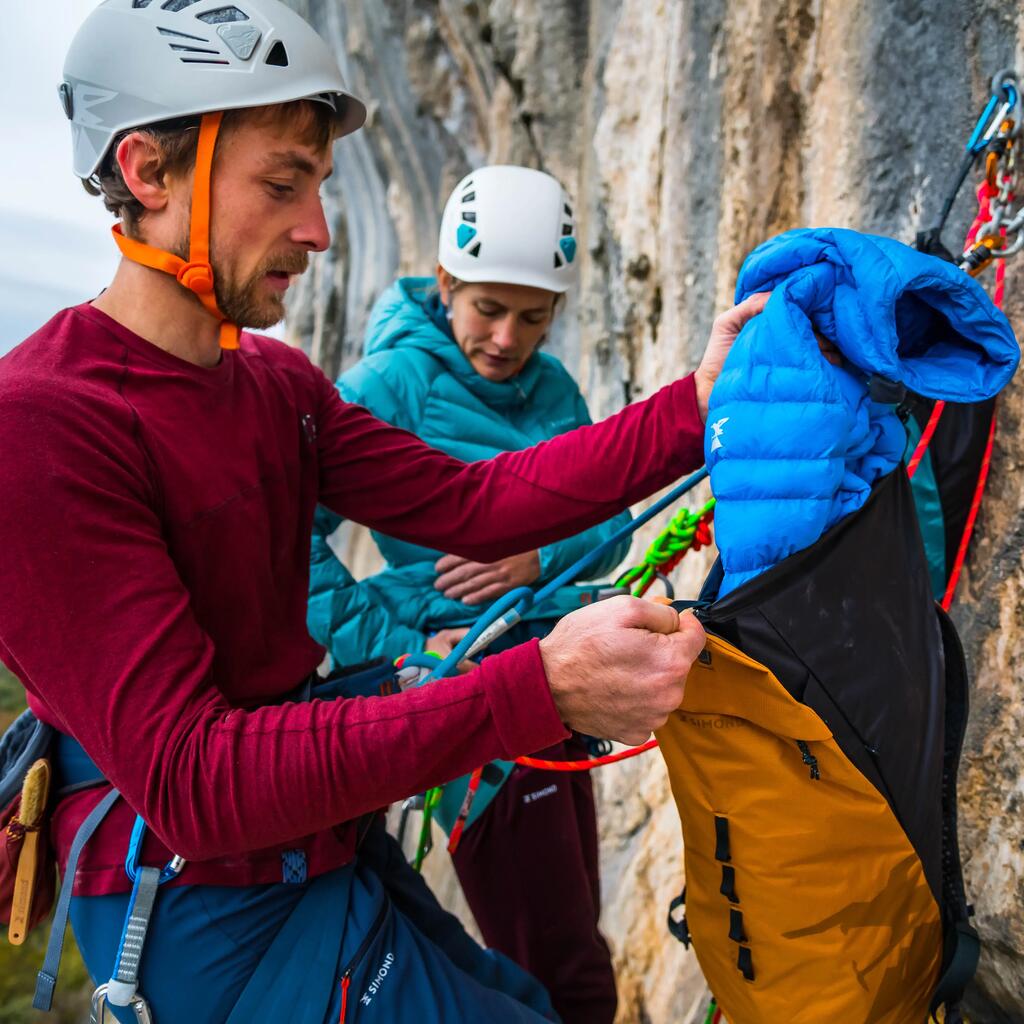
482, 582
724, 332
444, 641
617, 668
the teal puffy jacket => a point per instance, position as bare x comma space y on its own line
415, 376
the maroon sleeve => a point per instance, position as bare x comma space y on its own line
388, 479
97, 623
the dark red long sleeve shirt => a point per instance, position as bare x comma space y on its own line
154, 528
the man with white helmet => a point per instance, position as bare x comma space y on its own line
161, 468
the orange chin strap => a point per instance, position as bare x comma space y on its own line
196, 273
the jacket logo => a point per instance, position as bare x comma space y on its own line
718, 427
710, 723
374, 987
539, 794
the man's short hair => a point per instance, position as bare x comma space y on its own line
177, 141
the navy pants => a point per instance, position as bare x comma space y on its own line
365, 943
529, 869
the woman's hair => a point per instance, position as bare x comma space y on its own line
456, 283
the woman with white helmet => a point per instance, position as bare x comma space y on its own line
457, 360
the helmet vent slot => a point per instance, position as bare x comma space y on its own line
193, 49
566, 230
223, 16
181, 35
278, 56
178, 5
469, 197
559, 262
203, 60
468, 216
475, 251
136, 4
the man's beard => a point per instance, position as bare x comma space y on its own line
250, 303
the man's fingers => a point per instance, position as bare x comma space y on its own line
636, 613
750, 307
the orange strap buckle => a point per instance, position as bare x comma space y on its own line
195, 273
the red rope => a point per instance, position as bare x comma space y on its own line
926, 438
961, 555
467, 803
985, 194
585, 766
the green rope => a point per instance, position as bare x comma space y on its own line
430, 801
709, 1019
668, 547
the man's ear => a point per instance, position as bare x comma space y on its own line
141, 163
444, 286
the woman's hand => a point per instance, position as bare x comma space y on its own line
724, 331
481, 582
444, 641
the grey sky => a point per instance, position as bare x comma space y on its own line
54, 238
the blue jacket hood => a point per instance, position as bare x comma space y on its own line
794, 444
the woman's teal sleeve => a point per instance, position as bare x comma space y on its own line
355, 620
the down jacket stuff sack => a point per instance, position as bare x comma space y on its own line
794, 444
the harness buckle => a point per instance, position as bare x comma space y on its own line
98, 1010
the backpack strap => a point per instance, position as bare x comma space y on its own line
961, 945
46, 982
962, 948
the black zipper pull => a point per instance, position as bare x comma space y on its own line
809, 759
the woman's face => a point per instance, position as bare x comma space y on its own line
497, 326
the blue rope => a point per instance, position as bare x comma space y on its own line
513, 605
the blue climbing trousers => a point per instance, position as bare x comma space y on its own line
364, 943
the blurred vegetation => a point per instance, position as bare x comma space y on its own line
18, 964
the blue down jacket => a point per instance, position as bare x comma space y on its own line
414, 376
794, 444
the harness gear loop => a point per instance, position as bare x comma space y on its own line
195, 273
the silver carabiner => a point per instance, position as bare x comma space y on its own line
98, 1011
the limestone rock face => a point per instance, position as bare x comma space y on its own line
688, 133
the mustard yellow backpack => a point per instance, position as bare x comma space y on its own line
813, 761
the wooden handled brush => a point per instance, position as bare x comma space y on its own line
35, 792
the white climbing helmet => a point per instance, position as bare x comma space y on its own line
509, 225
139, 62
